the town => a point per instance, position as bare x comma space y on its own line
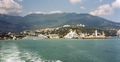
79, 31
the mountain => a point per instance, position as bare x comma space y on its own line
56, 20
37, 21
10, 23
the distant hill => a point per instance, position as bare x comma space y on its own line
37, 21
10, 23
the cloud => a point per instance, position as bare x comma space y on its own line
106, 9
51, 12
10, 7
116, 4
75, 1
82, 7
102, 10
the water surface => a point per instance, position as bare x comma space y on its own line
107, 50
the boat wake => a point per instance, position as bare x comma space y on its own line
11, 53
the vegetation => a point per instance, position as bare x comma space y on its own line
64, 30
37, 21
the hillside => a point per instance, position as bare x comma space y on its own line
37, 21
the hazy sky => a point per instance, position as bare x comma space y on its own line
109, 9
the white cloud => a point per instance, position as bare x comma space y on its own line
9, 7
116, 4
51, 12
102, 10
75, 1
37, 12
82, 7
106, 9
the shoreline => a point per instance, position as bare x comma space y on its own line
67, 39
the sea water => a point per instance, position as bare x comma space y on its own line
107, 50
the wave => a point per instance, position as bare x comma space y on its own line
11, 53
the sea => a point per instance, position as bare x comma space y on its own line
60, 50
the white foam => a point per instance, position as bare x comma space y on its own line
11, 53
32, 57
58, 61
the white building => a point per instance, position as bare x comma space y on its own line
66, 26
81, 25
118, 33
54, 36
82, 35
96, 33
71, 35
42, 36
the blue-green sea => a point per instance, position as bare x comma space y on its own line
107, 50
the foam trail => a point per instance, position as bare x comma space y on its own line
33, 57
11, 53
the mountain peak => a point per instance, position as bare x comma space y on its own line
37, 21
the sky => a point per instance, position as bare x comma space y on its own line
109, 9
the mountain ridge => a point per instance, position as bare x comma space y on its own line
37, 21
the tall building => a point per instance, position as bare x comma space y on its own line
118, 33
96, 33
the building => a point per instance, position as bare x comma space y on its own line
71, 35
66, 26
53, 36
96, 33
118, 33
81, 25
82, 35
42, 36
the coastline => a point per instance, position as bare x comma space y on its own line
107, 38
